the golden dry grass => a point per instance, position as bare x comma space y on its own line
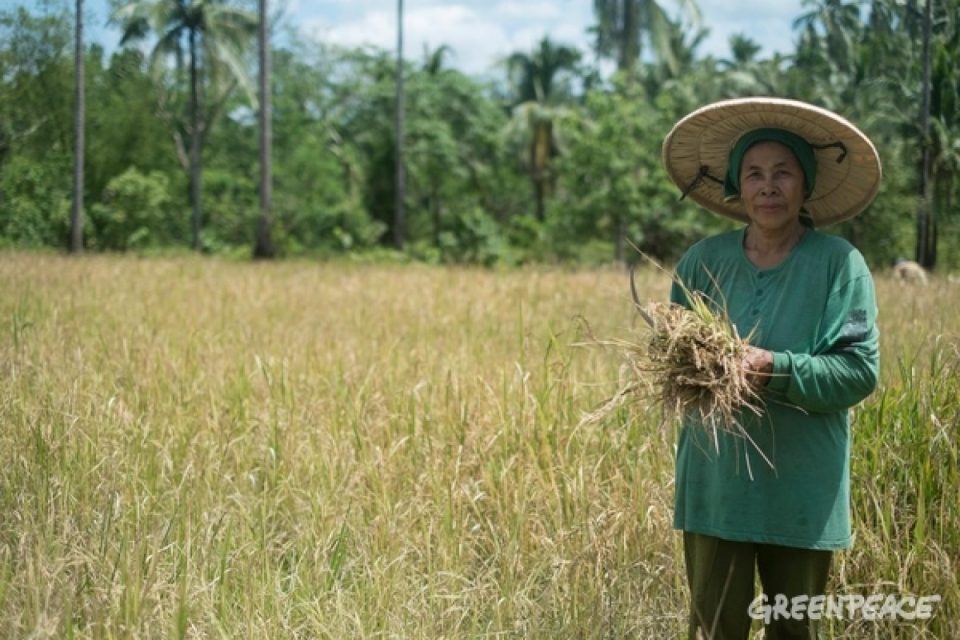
196, 448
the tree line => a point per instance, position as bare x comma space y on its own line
187, 142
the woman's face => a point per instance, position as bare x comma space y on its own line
771, 186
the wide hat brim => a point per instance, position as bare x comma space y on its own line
697, 150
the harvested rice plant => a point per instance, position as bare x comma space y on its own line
196, 448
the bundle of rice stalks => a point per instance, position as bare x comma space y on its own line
694, 359
691, 363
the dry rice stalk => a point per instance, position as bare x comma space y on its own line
695, 358
691, 360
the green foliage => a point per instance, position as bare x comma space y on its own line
124, 125
35, 202
613, 183
317, 203
230, 208
552, 161
451, 153
885, 229
473, 236
135, 213
35, 73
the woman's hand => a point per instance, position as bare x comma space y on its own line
759, 366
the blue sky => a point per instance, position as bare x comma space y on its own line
481, 32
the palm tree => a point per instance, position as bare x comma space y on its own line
744, 51
80, 115
940, 125
830, 33
434, 61
623, 24
926, 224
944, 169
622, 29
212, 36
683, 45
263, 247
540, 76
535, 124
539, 89
743, 74
400, 179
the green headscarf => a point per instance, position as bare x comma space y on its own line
800, 148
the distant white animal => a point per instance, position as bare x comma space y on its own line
909, 272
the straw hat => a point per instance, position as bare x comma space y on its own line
697, 150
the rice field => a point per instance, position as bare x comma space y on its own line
198, 448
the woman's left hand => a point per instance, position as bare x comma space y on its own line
759, 365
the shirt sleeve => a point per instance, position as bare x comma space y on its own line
845, 365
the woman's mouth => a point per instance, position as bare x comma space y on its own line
768, 208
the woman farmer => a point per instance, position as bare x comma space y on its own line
778, 505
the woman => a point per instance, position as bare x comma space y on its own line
778, 505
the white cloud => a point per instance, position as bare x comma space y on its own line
527, 10
373, 28
477, 40
481, 33
769, 23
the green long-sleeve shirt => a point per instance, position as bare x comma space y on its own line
816, 312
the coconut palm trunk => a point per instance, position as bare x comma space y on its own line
629, 51
80, 115
400, 181
541, 152
263, 247
926, 230
196, 162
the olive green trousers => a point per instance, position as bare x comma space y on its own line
721, 575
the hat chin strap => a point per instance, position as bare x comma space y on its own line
703, 173
834, 145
